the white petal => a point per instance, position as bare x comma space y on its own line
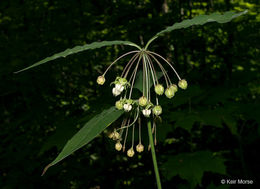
119, 87
115, 92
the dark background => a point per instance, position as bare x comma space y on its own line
209, 132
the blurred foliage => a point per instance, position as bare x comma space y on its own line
213, 126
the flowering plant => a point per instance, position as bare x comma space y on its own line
147, 106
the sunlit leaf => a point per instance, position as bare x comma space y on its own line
77, 49
203, 19
198, 20
87, 133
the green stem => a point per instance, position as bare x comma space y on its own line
150, 41
159, 186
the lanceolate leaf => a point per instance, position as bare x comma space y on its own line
203, 19
199, 20
87, 133
77, 49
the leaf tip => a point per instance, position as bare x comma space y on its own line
45, 169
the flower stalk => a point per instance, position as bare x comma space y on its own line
141, 108
156, 170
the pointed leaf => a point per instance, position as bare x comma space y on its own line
87, 133
77, 49
203, 19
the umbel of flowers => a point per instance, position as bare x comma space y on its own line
147, 106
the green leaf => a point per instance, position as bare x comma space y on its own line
199, 20
203, 19
191, 166
187, 121
77, 49
87, 133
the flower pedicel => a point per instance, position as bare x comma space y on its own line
143, 107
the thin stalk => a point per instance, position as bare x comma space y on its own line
150, 41
129, 65
166, 76
166, 62
118, 59
130, 93
158, 181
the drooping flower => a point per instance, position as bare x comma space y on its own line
136, 109
116, 92
127, 107
146, 112
169, 92
183, 84
119, 104
157, 110
101, 80
118, 146
130, 152
142, 101
159, 89
140, 148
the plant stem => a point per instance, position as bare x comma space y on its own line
154, 156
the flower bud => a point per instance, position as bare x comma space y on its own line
119, 87
140, 148
122, 81
116, 135
119, 105
129, 101
146, 112
101, 80
183, 84
115, 92
111, 135
130, 152
142, 101
159, 89
118, 146
127, 107
174, 88
169, 93
157, 110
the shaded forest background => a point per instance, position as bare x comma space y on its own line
209, 132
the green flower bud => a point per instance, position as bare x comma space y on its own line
101, 80
122, 81
174, 88
129, 101
159, 89
157, 110
143, 101
169, 93
183, 84
119, 104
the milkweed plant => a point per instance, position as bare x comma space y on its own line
146, 108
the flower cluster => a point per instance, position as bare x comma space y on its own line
143, 107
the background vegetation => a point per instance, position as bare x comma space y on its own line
209, 132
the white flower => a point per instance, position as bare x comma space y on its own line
115, 92
127, 107
146, 112
119, 87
